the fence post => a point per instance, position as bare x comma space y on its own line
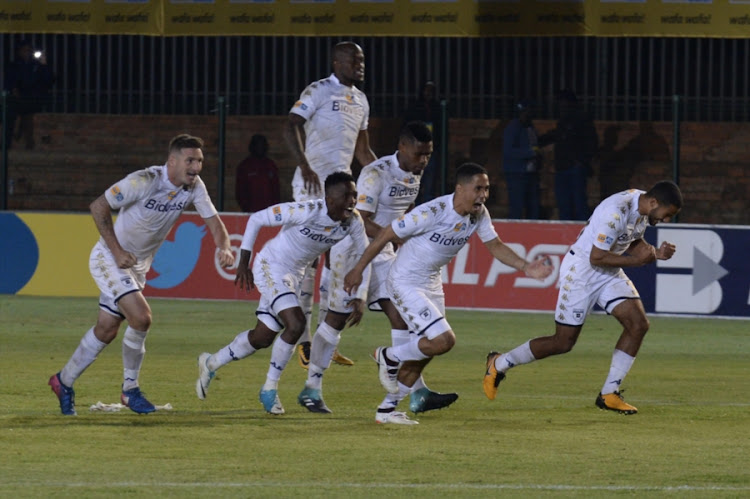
676, 141
443, 143
4, 146
222, 113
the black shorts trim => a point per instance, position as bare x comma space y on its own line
275, 299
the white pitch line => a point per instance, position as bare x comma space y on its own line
426, 486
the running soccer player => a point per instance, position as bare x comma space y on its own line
327, 128
150, 201
434, 232
307, 230
591, 273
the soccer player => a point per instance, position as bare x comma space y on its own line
327, 128
591, 273
150, 201
307, 230
387, 189
434, 233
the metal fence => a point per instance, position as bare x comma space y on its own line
616, 78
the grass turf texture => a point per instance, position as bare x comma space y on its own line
541, 437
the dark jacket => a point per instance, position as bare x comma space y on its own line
518, 143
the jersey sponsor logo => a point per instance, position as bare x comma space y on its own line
301, 105
315, 236
277, 213
459, 227
364, 198
401, 222
397, 191
153, 204
342, 107
448, 241
116, 193
601, 238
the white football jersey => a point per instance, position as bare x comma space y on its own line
306, 232
435, 233
386, 190
334, 114
149, 206
613, 226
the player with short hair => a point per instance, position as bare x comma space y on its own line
327, 128
307, 229
387, 189
591, 273
150, 202
434, 233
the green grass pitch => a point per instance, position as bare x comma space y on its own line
542, 436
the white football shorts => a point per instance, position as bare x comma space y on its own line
423, 309
112, 281
582, 286
279, 290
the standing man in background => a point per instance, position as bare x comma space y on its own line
327, 128
576, 144
521, 164
150, 202
257, 183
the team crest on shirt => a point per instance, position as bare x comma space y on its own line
459, 227
277, 213
116, 193
401, 222
171, 195
425, 314
349, 98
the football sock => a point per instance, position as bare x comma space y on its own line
325, 280
407, 351
133, 351
621, 364
519, 355
85, 355
324, 343
281, 352
239, 348
399, 336
391, 400
418, 385
306, 289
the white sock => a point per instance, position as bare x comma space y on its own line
324, 343
133, 351
325, 279
400, 336
281, 352
391, 400
419, 384
306, 295
621, 364
85, 355
519, 355
239, 348
407, 351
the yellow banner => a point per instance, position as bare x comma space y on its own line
686, 18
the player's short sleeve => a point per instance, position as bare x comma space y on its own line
485, 229
309, 100
131, 189
202, 201
415, 222
369, 186
606, 230
366, 117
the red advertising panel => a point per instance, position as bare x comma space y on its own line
186, 265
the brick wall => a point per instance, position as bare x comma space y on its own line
78, 156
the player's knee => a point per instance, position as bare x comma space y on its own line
142, 322
641, 326
564, 344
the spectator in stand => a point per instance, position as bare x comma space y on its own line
426, 108
28, 81
521, 163
257, 185
576, 144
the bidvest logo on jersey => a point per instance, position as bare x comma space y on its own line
153, 204
448, 241
315, 236
397, 191
348, 108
